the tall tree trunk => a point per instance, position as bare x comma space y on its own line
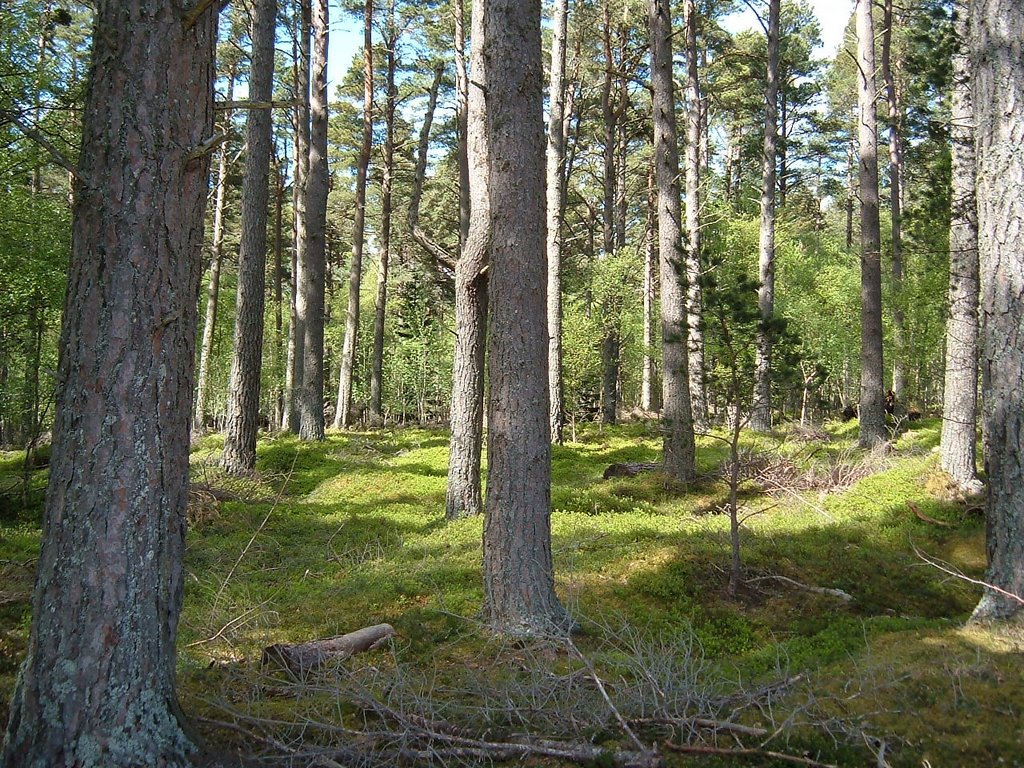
694, 292
761, 414
97, 686
960, 393
213, 290
462, 118
895, 204
519, 584
463, 492
872, 374
387, 175
676, 414
278, 348
610, 340
342, 417
555, 210
247, 363
650, 260
314, 267
998, 65
297, 328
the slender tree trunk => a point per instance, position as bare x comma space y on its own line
462, 119
895, 204
676, 414
610, 340
519, 584
342, 416
463, 492
960, 393
650, 260
694, 291
850, 189
761, 414
377, 372
313, 270
247, 363
279, 175
998, 66
555, 209
97, 686
297, 328
213, 291
872, 374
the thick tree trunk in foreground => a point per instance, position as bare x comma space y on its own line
97, 687
998, 60
872, 375
213, 290
676, 414
555, 209
761, 413
960, 393
342, 413
247, 364
519, 583
694, 291
463, 492
310, 396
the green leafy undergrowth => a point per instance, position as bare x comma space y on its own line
330, 537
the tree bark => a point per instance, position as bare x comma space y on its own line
213, 290
960, 393
998, 65
650, 260
314, 267
247, 363
376, 414
555, 211
895, 204
519, 584
872, 375
761, 413
462, 119
342, 417
694, 291
97, 686
463, 493
610, 341
676, 414
297, 329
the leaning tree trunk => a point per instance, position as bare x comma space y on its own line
463, 493
97, 686
310, 399
387, 176
519, 583
676, 416
213, 290
998, 62
960, 393
555, 209
342, 413
247, 364
694, 291
872, 375
895, 205
761, 414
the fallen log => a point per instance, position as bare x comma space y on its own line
300, 658
629, 469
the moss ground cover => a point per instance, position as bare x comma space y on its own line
335, 536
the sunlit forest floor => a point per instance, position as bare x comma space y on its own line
844, 646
